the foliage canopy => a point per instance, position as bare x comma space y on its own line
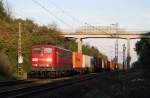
143, 52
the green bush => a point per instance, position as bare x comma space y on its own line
6, 69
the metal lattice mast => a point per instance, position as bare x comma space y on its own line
116, 51
116, 43
20, 58
124, 56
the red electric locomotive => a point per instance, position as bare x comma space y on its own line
49, 60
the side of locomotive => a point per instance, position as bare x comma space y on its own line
49, 60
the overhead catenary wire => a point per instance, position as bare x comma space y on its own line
74, 18
48, 11
63, 11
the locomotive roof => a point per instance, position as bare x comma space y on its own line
53, 46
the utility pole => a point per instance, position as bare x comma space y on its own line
124, 57
20, 57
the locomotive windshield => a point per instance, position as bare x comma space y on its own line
47, 50
37, 50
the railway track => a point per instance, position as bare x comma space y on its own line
14, 82
35, 89
17, 86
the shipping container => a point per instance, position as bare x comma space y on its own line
77, 59
105, 64
111, 66
87, 61
97, 64
108, 65
100, 63
120, 67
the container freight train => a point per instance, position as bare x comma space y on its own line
53, 61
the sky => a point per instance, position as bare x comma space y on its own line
69, 15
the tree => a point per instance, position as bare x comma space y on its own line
3, 13
143, 52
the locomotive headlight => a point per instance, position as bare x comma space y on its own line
49, 59
35, 65
47, 65
35, 59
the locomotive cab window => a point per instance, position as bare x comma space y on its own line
37, 50
47, 50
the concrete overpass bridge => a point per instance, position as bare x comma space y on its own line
103, 34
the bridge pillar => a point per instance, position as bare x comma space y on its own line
128, 54
79, 41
